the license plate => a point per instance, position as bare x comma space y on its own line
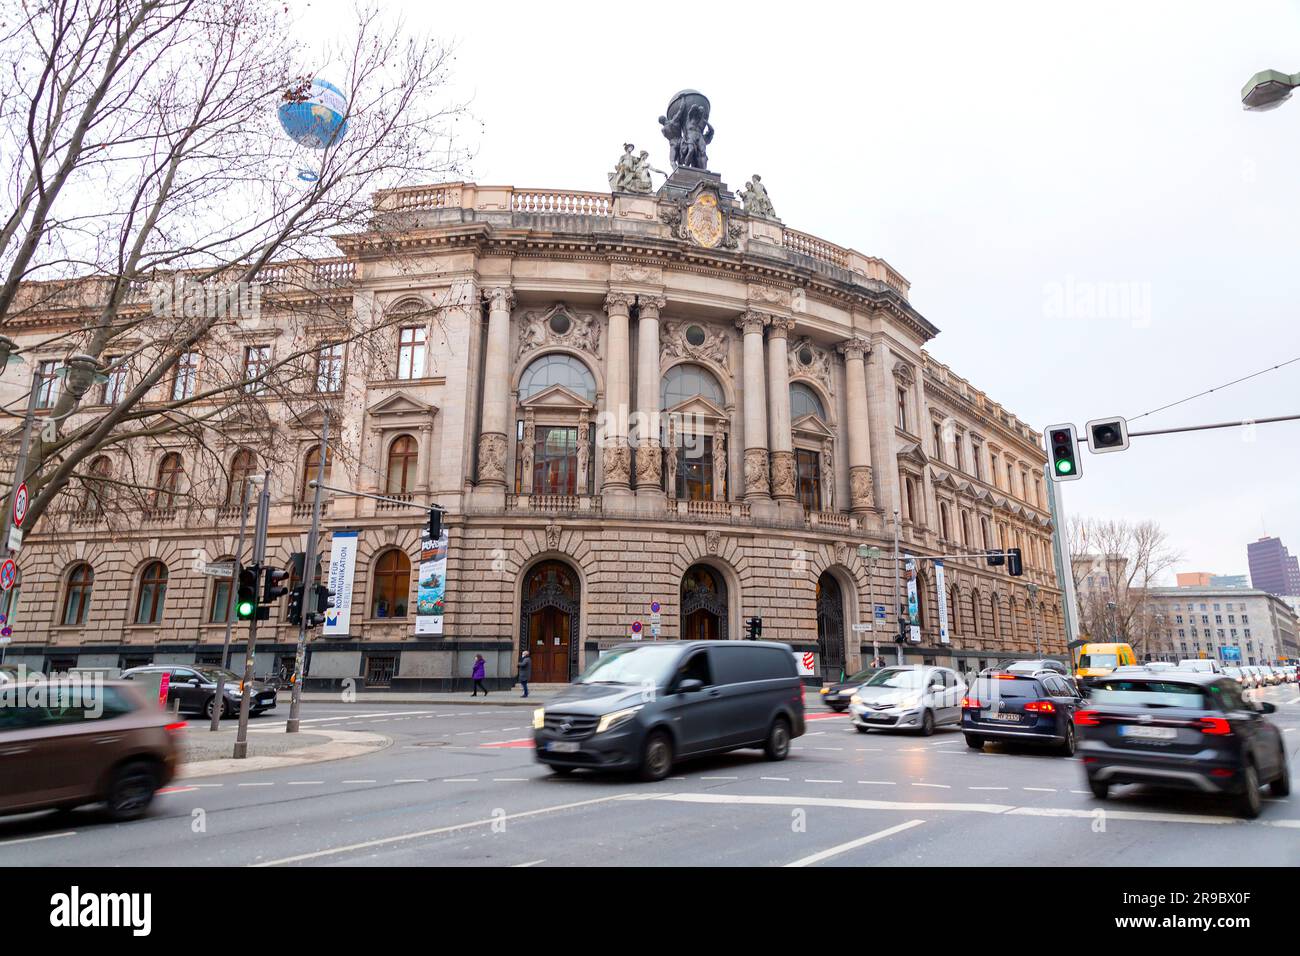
1148, 733
563, 747
1005, 718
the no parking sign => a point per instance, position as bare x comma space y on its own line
8, 574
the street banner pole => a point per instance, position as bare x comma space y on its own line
898, 647
259, 553
232, 597
308, 578
1061, 558
20, 476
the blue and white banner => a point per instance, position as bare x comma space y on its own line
913, 605
343, 566
432, 585
943, 602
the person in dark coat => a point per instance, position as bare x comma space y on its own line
480, 672
525, 670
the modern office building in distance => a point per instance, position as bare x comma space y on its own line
1233, 625
1272, 567
1204, 579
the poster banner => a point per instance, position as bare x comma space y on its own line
913, 608
943, 602
343, 566
433, 585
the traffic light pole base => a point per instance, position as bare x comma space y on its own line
291, 727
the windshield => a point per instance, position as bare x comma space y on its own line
211, 674
902, 678
862, 676
632, 665
1150, 693
1098, 660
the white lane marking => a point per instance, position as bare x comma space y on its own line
1079, 791
201, 785
937, 786
818, 780
854, 844
719, 778
359, 781
1144, 815
1040, 789
33, 839
510, 780
781, 779
305, 783
265, 784
882, 783
869, 750
988, 788
436, 831
529, 863
411, 780
847, 803
828, 748
460, 780
382, 713
1283, 823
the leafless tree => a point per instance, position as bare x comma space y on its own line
142, 142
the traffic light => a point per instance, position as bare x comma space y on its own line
272, 590
434, 529
754, 628
903, 623
1014, 567
246, 601
293, 612
1063, 449
1106, 435
323, 600
995, 558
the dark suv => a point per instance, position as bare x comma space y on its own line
642, 706
1035, 708
195, 687
1182, 730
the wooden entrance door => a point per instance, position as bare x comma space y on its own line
549, 622
548, 641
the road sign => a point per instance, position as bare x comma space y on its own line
6, 640
654, 607
880, 612
861, 628
15, 538
636, 630
20, 504
866, 551
219, 570
8, 574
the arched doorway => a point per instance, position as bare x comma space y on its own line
548, 621
830, 626
704, 604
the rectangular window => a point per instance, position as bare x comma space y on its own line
938, 441
114, 389
329, 367
957, 458
555, 460
220, 601
902, 409
48, 396
808, 470
410, 352
257, 362
187, 374
694, 467
977, 453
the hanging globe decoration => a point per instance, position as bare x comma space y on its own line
313, 113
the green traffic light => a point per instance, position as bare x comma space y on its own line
1064, 467
245, 609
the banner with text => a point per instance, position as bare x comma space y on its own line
943, 602
433, 585
913, 606
343, 566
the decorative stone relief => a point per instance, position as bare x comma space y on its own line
671, 454
712, 541
855, 348
828, 476
635, 272
584, 432
841, 553
769, 295
720, 462
492, 457
756, 471
616, 464
811, 361
904, 374
753, 321
648, 466
500, 298
756, 200
695, 340
526, 452
783, 484
860, 487
553, 536
558, 325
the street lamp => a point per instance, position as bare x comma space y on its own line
79, 372
8, 352
1268, 89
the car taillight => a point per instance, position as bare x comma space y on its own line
971, 703
1086, 718
175, 728
1040, 707
1216, 726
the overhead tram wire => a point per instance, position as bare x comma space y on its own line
1218, 388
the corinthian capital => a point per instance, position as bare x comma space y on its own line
753, 321
500, 298
855, 348
778, 326
650, 305
618, 303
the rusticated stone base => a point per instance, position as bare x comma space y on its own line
756, 482
492, 458
783, 485
861, 489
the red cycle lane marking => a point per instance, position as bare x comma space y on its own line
521, 742
824, 716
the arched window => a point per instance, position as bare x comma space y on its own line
683, 382
995, 609
152, 594
392, 585
96, 485
557, 369
984, 533
403, 455
170, 472
76, 602
804, 401
975, 614
310, 464
241, 469
965, 528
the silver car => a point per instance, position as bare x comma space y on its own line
914, 697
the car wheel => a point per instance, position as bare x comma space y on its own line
561, 771
207, 708
656, 756
1100, 789
860, 729
778, 740
927, 724
838, 708
131, 790
1067, 748
974, 742
1281, 787
1249, 801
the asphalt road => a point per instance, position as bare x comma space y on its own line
459, 787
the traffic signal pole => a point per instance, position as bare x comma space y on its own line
308, 583
246, 685
233, 598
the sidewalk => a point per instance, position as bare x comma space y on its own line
206, 754
497, 698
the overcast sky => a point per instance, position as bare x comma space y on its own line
1078, 199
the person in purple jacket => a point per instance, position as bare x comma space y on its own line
480, 671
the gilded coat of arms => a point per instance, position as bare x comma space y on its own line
704, 220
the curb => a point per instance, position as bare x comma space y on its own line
343, 744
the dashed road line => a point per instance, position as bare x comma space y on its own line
854, 844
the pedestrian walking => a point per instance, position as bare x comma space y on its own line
480, 672
525, 670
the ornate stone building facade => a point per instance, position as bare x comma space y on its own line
620, 399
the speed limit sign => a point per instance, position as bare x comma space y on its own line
20, 505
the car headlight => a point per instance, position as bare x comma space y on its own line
824, 690
610, 721
539, 718
855, 700
234, 690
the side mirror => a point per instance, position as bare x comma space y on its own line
1267, 708
690, 685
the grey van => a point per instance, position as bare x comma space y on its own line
642, 706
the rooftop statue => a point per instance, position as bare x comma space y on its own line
632, 173
686, 127
756, 200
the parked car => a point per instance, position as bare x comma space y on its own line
1025, 708
1202, 665
1035, 666
1180, 730
195, 686
1098, 660
836, 696
918, 698
1236, 674
1249, 677
1160, 666
115, 748
1272, 676
642, 707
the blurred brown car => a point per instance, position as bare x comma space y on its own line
117, 751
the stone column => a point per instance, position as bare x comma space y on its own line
496, 388
778, 401
862, 496
881, 418
649, 482
615, 458
756, 483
